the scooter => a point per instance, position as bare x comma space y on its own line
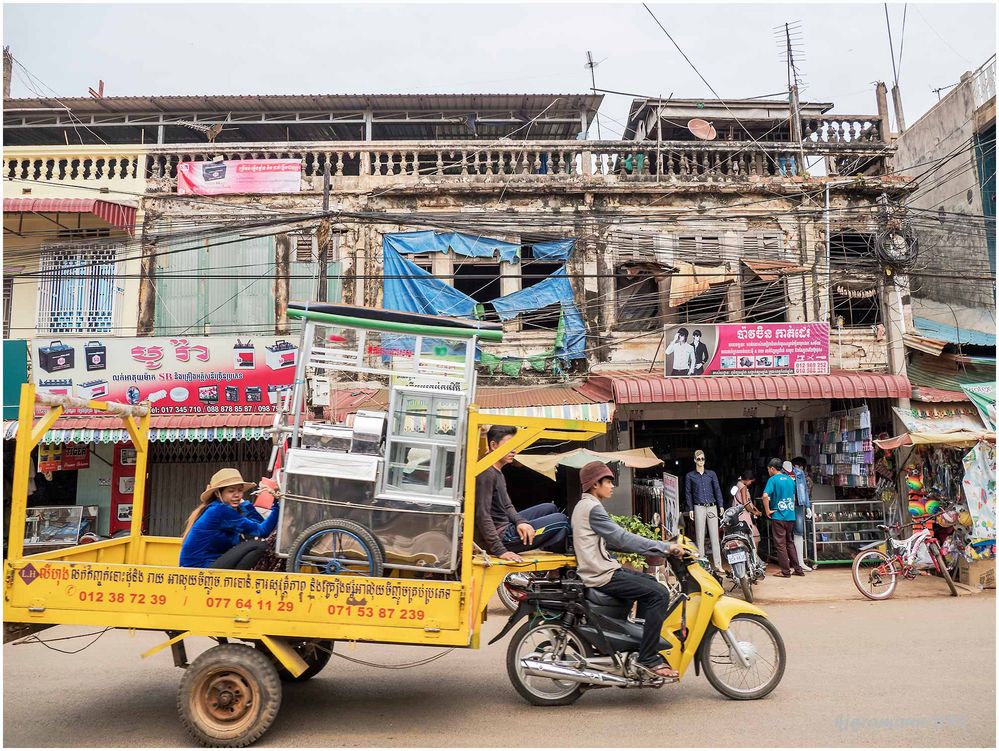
739, 549
577, 638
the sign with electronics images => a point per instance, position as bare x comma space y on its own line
176, 375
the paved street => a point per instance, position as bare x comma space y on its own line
842, 688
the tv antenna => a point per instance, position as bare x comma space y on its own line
211, 131
592, 64
789, 37
702, 129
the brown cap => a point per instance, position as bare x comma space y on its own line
223, 479
593, 473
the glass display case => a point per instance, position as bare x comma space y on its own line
840, 528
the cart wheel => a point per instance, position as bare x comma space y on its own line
337, 547
315, 652
229, 696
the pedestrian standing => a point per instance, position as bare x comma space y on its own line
778, 501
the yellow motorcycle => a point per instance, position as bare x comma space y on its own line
577, 638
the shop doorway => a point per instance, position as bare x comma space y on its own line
730, 445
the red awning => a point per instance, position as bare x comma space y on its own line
118, 215
638, 387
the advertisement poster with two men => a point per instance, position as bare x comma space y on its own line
738, 349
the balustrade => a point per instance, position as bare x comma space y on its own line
619, 161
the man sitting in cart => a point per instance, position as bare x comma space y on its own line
500, 529
214, 528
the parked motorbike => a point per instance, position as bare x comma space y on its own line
739, 549
577, 638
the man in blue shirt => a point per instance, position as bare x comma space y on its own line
778, 499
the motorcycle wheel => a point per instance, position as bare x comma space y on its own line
872, 584
539, 640
761, 639
747, 588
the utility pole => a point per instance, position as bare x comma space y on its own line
8, 69
323, 236
593, 81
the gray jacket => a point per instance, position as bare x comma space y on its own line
594, 532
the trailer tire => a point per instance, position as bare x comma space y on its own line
373, 563
229, 696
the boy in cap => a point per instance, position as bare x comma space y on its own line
593, 533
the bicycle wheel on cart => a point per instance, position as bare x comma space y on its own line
338, 547
874, 575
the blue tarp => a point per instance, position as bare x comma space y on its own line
418, 291
553, 290
556, 250
440, 242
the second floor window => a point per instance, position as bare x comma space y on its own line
78, 289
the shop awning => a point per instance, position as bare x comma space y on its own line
639, 387
555, 401
545, 464
102, 429
120, 215
960, 438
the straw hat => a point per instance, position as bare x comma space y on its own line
223, 479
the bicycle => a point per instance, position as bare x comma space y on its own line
876, 572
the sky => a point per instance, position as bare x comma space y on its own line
239, 48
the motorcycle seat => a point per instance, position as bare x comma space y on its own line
596, 597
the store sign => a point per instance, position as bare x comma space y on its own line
50, 457
939, 418
983, 396
741, 349
240, 176
671, 503
76, 456
176, 375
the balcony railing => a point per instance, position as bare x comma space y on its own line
154, 168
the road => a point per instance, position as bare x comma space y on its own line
844, 686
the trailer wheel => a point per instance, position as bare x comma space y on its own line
338, 547
229, 696
315, 652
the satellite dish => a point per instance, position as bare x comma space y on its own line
702, 129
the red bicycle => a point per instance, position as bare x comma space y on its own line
876, 572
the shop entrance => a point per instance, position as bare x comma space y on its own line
730, 445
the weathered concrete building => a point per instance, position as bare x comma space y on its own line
657, 229
951, 152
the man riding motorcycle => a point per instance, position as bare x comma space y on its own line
594, 532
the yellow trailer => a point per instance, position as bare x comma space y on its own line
268, 626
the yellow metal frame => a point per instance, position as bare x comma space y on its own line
134, 582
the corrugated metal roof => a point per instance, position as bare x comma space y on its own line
937, 396
946, 373
120, 215
952, 335
310, 102
640, 387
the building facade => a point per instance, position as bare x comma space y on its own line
502, 207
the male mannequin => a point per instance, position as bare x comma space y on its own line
704, 505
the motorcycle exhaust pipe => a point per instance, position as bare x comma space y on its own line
541, 669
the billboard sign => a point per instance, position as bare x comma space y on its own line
239, 176
176, 375
741, 349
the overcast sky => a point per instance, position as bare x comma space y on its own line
494, 48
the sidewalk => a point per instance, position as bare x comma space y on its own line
830, 583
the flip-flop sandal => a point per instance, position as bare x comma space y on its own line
661, 671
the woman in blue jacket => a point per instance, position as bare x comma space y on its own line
215, 527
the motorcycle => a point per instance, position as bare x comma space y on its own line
739, 549
577, 638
